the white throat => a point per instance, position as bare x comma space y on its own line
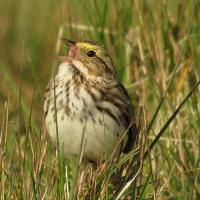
64, 68
79, 65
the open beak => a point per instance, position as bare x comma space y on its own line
70, 43
72, 47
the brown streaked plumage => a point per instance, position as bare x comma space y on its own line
89, 97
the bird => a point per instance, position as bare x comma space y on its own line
85, 105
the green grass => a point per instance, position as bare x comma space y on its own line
155, 46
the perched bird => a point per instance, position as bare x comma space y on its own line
85, 100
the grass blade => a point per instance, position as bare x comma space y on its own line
169, 121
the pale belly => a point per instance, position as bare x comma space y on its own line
98, 136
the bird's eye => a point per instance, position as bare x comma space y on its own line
91, 53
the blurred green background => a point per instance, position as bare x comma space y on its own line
145, 40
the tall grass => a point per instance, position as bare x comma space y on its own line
155, 48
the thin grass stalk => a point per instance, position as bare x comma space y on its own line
163, 130
166, 91
170, 81
56, 124
3, 140
170, 120
188, 177
143, 139
76, 182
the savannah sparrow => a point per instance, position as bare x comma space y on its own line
90, 100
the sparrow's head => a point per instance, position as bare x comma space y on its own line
91, 59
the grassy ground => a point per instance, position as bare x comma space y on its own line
155, 46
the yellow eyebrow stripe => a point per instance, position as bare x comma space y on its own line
88, 46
